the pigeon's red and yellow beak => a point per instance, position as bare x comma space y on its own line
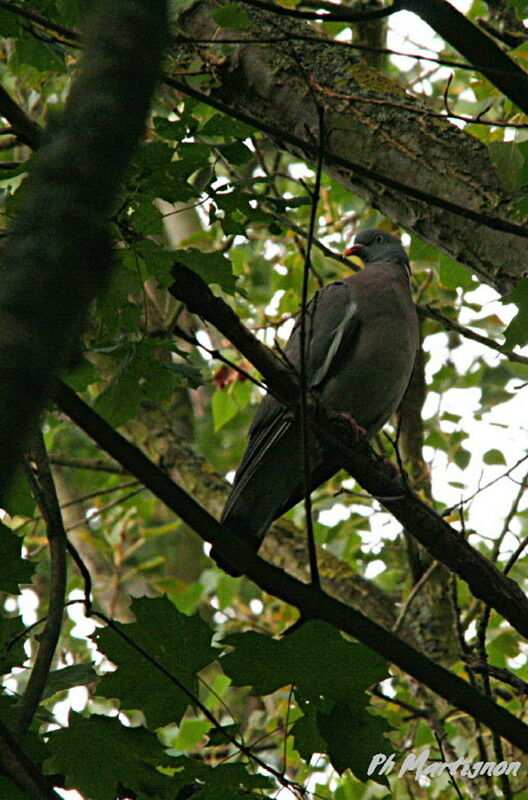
355, 251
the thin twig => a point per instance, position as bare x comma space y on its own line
183, 38
27, 630
98, 511
83, 499
420, 111
447, 511
451, 777
414, 710
508, 520
95, 465
303, 406
343, 15
309, 599
214, 353
449, 324
486, 688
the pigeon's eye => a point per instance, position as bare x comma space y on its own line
379, 238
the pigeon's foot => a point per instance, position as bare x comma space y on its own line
388, 465
357, 430
223, 564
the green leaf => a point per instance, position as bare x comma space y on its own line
70, 11
449, 417
231, 777
347, 749
34, 746
462, 458
517, 331
158, 261
37, 54
231, 16
224, 408
82, 375
307, 738
521, 7
508, 160
190, 734
174, 130
227, 127
315, 658
235, 152
180, 644
114, 307
453, 275
10, 26
494, 456
212, 267
75, 675
186, 374
140, 374
177, 6
19, 500
215, 737
97, 753
11, 655
14, 569
119, 400
523, 149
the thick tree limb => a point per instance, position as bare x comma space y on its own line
480, 50
270, 85
58, 253
312, 602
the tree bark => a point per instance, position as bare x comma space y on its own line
278, 85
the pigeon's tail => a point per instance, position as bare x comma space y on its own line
267, 486
268, 473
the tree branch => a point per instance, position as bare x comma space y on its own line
26, 129
38, 19
59, 247
340, 14
311, 601
451, 325
43, 489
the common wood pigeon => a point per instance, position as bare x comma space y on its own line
362, 337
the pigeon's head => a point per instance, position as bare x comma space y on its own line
375, 245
